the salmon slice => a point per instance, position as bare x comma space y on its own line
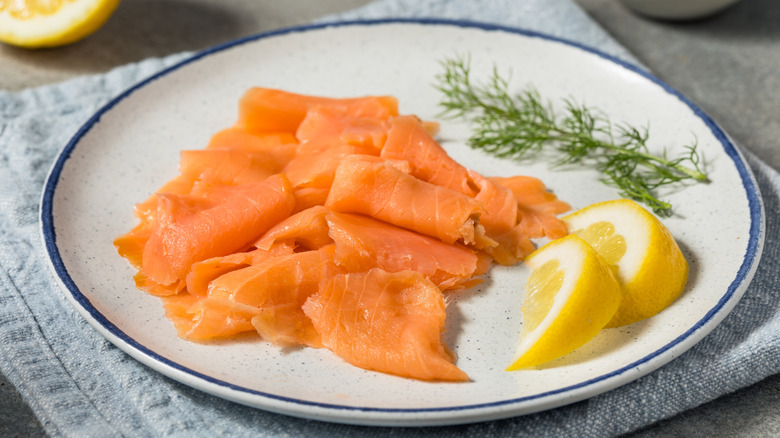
315, 163
327, 135
279, 146
388, 322
335, 122
537, 224
307, 197
307, 229
202, 273
205, 318
226, 166
263, 110
408, 139
179, 240
144, 283
278, 287
363, 243
531, 192
390, 195
537, 207
500, 221
498, 202
131, 245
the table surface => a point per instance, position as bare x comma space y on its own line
727, 64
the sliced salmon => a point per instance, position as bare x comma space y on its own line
278, 287
337, 123
537, 207
363, 243
315, 163
330, 222
202, 273
263, 110
307, 197
280, 147
226, 166
307, 229
389, 322
393, 196
185, 237
500, 221
205, 318
408, 139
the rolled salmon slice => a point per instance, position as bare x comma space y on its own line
500, 221
180, 240
363, 243
388, 194
388, 322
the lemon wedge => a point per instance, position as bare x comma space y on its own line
51, 23
569, 297
649, 264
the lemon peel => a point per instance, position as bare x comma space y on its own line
571, 294
648, 261
51, 23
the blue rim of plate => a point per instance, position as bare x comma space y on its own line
744, 274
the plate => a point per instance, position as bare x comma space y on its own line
130, 148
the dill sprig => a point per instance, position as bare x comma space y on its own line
515, 125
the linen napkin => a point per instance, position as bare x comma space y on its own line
78, 384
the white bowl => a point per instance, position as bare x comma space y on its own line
678, 9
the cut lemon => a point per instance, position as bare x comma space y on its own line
569, 297
650, 266
51, 23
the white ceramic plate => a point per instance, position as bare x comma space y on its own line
130, 147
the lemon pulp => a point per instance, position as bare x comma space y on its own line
649, 264
569, 297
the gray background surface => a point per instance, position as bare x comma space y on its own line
728, 64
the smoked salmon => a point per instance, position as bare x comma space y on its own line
185, 235
363, 243
393, 196
333, 223
266, 110
409, 140
385, 322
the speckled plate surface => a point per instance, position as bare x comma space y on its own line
130, 148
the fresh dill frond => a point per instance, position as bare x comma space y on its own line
515, 125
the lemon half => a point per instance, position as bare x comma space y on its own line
51, 23
569, 297
650, 266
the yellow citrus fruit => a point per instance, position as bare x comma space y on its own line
569, 297
51, 23
649, 264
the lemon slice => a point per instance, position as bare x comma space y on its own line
569, 297
51, 23
650, 266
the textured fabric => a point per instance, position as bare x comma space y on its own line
78, 384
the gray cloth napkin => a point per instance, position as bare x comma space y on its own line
78, 384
